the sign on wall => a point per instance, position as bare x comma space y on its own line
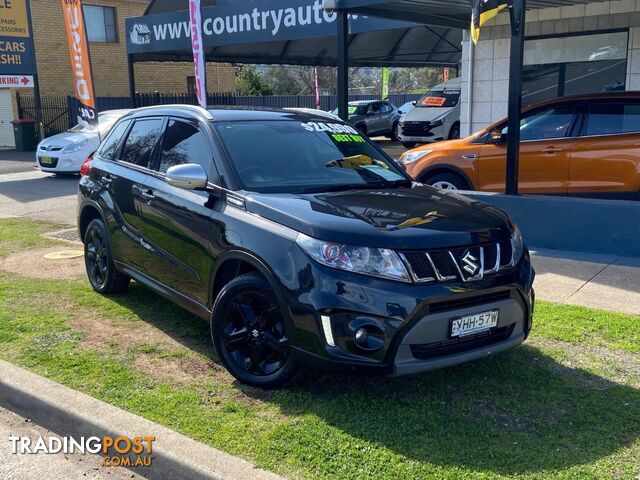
16, 45
80, 62
244, 22
16, 81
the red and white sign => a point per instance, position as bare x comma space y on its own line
16, 81
195, 17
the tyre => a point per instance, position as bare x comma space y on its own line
248, 331
408, 144
447, 181
98, 260
395, 131
454, 133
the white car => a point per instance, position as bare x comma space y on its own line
435, 117
65, 153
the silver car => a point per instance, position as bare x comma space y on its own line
374, 117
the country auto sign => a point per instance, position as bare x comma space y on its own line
16, 45
244, 22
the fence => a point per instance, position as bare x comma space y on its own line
58, 116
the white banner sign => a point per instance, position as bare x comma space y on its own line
16, 81
195, 16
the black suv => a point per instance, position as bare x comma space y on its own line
302, 243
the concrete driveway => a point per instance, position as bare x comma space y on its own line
38, 196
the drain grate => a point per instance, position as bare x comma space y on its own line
68, 235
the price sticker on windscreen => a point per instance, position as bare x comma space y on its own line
434, 101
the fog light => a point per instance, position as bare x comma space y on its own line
328, 333
362, 335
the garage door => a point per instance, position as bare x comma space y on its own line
6, 115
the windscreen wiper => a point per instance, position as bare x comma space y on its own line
339, 188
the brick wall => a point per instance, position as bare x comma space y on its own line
109, 60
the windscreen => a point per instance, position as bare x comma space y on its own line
296, 157
447, 98
105, 122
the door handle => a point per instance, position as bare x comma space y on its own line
147, 195
551, 150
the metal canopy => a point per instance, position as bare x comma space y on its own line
373, 42
452, 13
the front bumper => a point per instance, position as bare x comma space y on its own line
422, 132
412, 320
58, 162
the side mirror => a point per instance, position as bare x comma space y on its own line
189, 176
498, 137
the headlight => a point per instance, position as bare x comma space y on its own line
75, 147
410, 157
518, 244
377, 262
436, 123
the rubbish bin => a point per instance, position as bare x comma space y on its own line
24, 132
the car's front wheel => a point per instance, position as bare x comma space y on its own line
248, 331
447, 181
98, 260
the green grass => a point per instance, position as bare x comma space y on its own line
527, 413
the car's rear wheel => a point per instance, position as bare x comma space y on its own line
447, 181
98, 260
249, 333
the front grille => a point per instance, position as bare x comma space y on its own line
461, 264
467, 302
54, 163
417, 129
458, 345
50, 148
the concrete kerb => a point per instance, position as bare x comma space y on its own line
70, 413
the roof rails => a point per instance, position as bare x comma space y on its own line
181, 106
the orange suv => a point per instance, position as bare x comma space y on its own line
582, 146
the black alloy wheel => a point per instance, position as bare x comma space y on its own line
98, 261
248, 330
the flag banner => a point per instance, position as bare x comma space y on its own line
197, 45
80, 62
483, 11
315, 87
386, 73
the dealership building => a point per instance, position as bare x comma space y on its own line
587, 47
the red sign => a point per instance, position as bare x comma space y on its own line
434, 101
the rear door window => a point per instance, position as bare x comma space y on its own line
140, 142
109, 148
612, 119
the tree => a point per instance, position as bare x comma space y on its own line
250, 82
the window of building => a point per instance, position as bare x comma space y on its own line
101, 23
574, 65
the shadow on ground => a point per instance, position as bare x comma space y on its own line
520, 412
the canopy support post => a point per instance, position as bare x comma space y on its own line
343, 64
518, 12
132, 80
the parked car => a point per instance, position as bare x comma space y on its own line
407, 107
374, 117
65, 152
436, 116
580, 146
302, 243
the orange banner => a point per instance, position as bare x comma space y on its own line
80, 62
